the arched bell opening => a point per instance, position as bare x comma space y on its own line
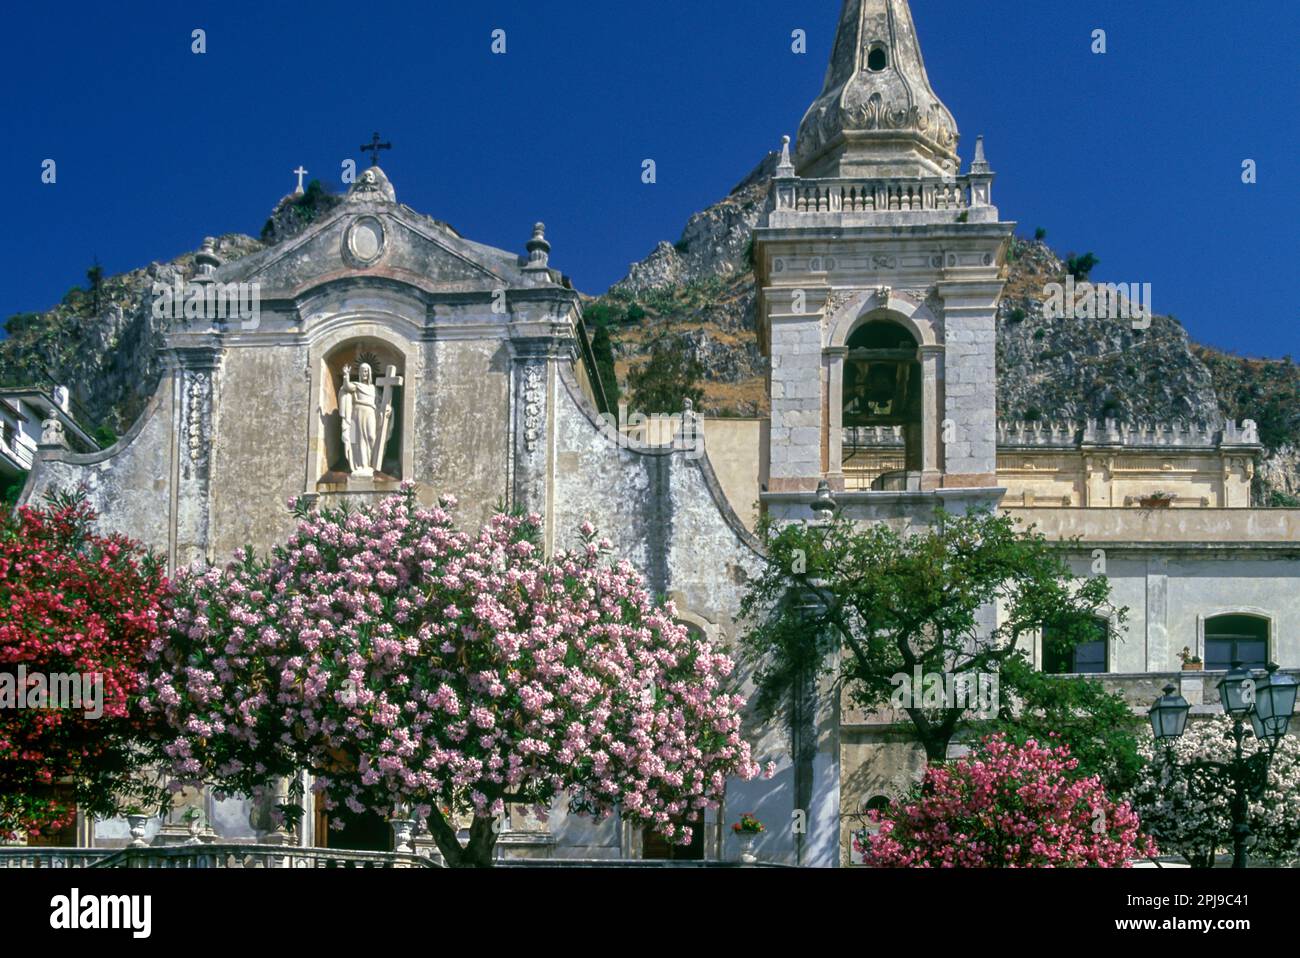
882, 408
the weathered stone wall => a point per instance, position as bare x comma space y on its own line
130, 483
259, 449
463, 424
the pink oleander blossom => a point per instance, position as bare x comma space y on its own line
1006, 806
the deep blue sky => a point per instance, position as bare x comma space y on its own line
1135, 155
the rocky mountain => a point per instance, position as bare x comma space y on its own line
103, 341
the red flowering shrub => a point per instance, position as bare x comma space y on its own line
77, 613
1006, 806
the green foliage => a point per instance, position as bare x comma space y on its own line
1017, 315
1281, 500
1040, 234
635, 313
601, 313
11, 488
20, 323
1098, 725
95, 277
603, 352
682, 246
865, 604
104, 436
669, 376
1081, 266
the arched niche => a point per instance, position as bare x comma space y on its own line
387, 363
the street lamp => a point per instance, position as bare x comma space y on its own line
1269, 703
1274, 704
1237, 691
1168, 715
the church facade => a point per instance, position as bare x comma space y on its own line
386, 347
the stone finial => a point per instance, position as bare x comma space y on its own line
979, 164
206, 259
824, 504
539, 250
785, 168
61, 397
371, 186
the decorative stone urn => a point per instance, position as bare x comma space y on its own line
403, 831
137, 825
746, 840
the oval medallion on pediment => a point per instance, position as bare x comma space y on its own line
365, 241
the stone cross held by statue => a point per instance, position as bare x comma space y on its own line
301, 173
387, 382
373, 148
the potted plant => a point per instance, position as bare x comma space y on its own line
1157, 500
1191, 663
746, 830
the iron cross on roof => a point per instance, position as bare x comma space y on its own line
373, 148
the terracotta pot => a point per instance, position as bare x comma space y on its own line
1193, 666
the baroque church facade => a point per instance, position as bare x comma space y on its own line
390, 348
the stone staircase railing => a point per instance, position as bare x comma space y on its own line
257, 856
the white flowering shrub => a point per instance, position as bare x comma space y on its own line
1192, 814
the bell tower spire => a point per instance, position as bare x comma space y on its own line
877, 114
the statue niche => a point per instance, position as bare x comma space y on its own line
361, 407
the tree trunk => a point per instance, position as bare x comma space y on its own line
476, 854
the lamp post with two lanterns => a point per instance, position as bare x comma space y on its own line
1268, 703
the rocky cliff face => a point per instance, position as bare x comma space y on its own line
104, 345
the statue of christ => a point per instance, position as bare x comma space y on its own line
359, 422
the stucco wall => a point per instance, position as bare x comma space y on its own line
129, 484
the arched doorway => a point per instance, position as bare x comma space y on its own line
882, 408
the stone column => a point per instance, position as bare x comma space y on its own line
931, 472
796, 438
537, 347
970, 382
1157, 615
833, 363
195, 381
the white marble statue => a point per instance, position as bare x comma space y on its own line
366, 418
358, 421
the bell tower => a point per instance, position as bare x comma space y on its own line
879, 267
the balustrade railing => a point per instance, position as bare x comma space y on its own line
257, 856
872, 196
23, 856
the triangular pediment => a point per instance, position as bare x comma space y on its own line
382, 240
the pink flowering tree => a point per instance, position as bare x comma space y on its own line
416, 669
1005, 806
